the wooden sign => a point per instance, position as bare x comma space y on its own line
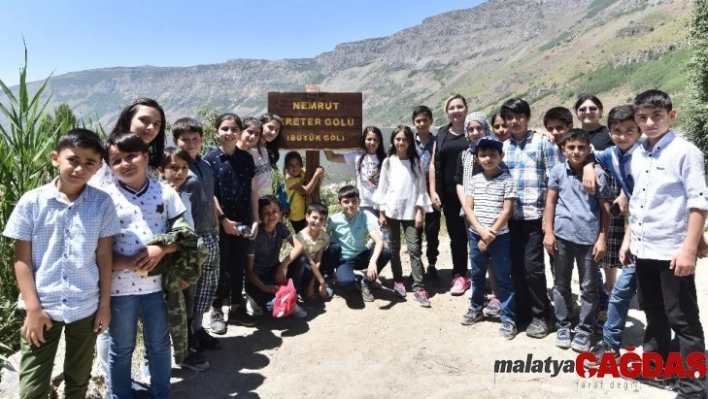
319, 121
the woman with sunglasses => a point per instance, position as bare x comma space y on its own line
588, 109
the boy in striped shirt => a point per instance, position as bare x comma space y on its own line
489, 204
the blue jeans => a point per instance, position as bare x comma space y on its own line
156, 334
498, 251
567, 254
345, 267
622, 294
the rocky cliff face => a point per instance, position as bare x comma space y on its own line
501, 48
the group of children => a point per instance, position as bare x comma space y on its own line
103, 246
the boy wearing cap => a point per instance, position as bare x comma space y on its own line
489, 204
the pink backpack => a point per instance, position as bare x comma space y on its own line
285, 300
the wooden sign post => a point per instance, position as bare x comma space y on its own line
315, 121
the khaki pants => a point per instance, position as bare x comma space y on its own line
37, 362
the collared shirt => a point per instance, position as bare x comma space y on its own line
200, 185
425, 152
265, 247
530, 162
619, 165
351, 233
577, 213
669, 180
64, 237
489, 196
232, 183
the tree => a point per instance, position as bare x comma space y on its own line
697, 102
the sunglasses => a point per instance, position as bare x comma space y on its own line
588, 109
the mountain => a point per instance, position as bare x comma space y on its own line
546, 51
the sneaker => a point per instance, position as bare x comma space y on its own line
218, 325
421, 296
493, 308
399, 288
195, 362
537, 329
563, 336
431, 275
472, 316
366, 294
507, 330
581, 342
299, 312
460, 284
598, 351
205, 340
240, 317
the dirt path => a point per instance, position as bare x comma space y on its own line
394, 348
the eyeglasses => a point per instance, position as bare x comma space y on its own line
588, 109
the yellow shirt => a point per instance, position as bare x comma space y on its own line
297, 200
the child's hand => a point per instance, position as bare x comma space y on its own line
482, 245
229, 227
599, 250
589, 178
486, 236
622, 202
254, 231
36, 322
148, 258
683, 263
702, 250
625, 256
102, 318
372, 272
310, 292
281, 275
435, 198
549, 242
270, 289
323, 292
382, 219
319, 172
183, 285
418, 218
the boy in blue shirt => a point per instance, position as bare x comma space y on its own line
348, 250
63, 234
575, 226
667, 214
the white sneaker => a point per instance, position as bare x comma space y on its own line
299, 312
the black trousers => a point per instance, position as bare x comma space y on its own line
457, 231
528, 271
232, 263
432, 233
670, 303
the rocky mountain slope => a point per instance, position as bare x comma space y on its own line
547, 51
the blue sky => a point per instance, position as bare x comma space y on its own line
64, 35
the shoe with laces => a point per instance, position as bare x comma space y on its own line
421, 296
431, 275
581, 341
460, 284
240, 317
507, 330
195, 362
563, 336
493, 308
366, 294
472, 316
399, 288
538, 328
598, 351
218, 325
205, 340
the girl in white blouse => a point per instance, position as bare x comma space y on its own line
401, 199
